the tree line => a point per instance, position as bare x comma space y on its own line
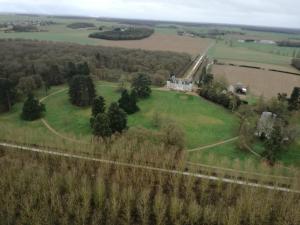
29, 65
79, 25
217, 91
127, 33
47, 190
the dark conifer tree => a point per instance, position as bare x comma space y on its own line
32, 109
98, 106
117, 118
101, 126
81, 90
7, 94
294, 101
141, 85
83, 69
274, 144
128, 102
124, 101
71, 70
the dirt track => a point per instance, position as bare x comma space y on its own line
260, 82
149, 168
165, 42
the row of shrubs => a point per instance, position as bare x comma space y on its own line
296, 63
226, 99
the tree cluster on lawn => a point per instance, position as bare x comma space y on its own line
115, 120
128, 33
104, 124
283, 131
49, 63
216, 92
32, 109
80, 25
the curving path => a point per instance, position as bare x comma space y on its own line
214, 145
48, 126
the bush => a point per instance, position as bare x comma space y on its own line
173, 135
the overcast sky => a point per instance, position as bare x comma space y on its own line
284, 13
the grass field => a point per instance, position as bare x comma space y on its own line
203, 122
224, 51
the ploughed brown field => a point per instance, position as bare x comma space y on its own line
164, 42
260, 82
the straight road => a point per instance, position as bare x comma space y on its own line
190, 73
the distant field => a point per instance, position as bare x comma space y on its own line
158, 41
260, 82
269, 48
164, 39
226, 52
287, 68
164, 42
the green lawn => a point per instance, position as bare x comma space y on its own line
203, 122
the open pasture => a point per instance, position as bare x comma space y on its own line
203, 122
260, 82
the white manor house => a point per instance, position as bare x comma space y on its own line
179, 84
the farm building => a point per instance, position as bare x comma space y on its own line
179, 84
265, 124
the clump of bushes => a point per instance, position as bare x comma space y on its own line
216, 91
